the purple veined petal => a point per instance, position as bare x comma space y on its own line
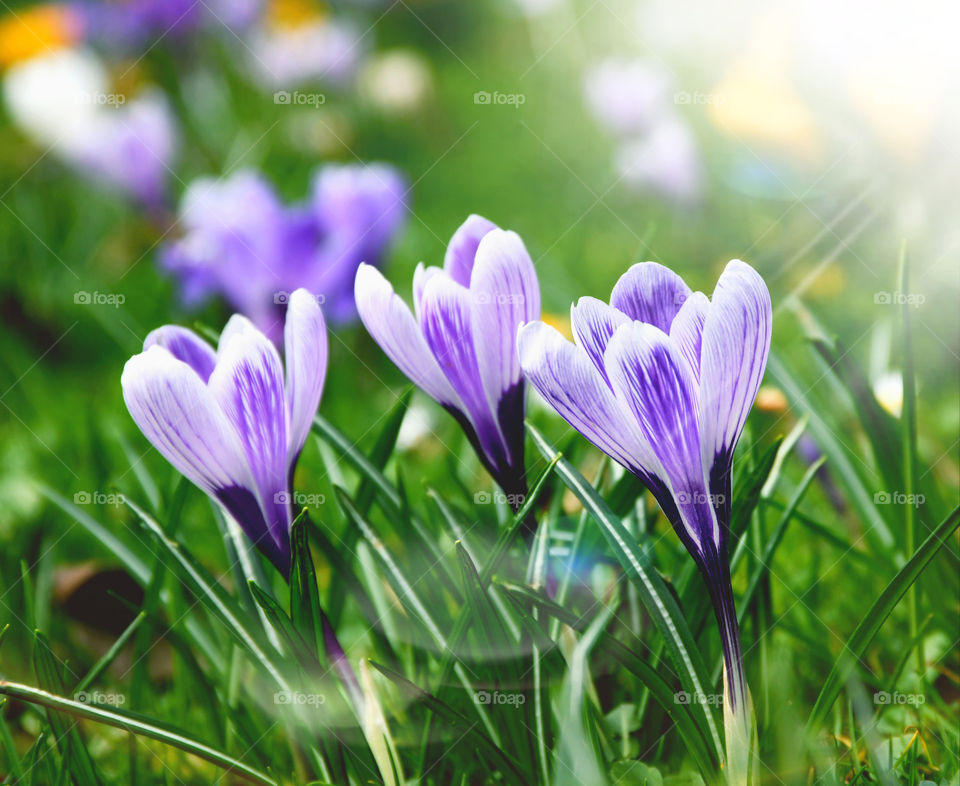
686, 332
650, 292
504, 293
180, 416
248, 384
391, 324
306, 352
736, 341
565, 376
649, 376
184, 345
594, 323
462, 249
446, 319
421, 276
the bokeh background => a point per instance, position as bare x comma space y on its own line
815, 140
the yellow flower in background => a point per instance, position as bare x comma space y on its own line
771, 399
294, 13
38, 30
559, 322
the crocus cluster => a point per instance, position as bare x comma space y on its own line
234, 420
662, 380
459, 343
242, 242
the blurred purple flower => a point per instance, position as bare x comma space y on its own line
132, 24
626, 96
459, 346
132, 147
231, 421
240, 241
666, 161
662, 380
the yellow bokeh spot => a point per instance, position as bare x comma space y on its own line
294, 13
771, 399
37, 31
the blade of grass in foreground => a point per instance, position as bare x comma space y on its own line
854, 648
122, 720
658, 601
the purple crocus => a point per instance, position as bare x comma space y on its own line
662, 380
231, 420
242, 242
459, 345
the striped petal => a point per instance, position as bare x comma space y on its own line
736, 341
391, 324
305, 350
248, 384
446, 320
184, 345
594, 323
565, 376
686, 331
649, 376
462, 249
650, 292
504, 294
180, 417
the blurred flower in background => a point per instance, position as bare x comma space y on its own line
296, 41
64, 101
656, 149
243, 243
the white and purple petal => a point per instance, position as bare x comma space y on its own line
649, 376
446, 319
565, 376
593, 323
686, 332
184, 345
462, 248
735, 344
391, 324
248, 384
305, 350
651, 293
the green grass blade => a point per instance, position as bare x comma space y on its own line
854, 648
657, 600
135, 725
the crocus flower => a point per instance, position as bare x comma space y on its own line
242, 242
662, 380
232, 421
459, 346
